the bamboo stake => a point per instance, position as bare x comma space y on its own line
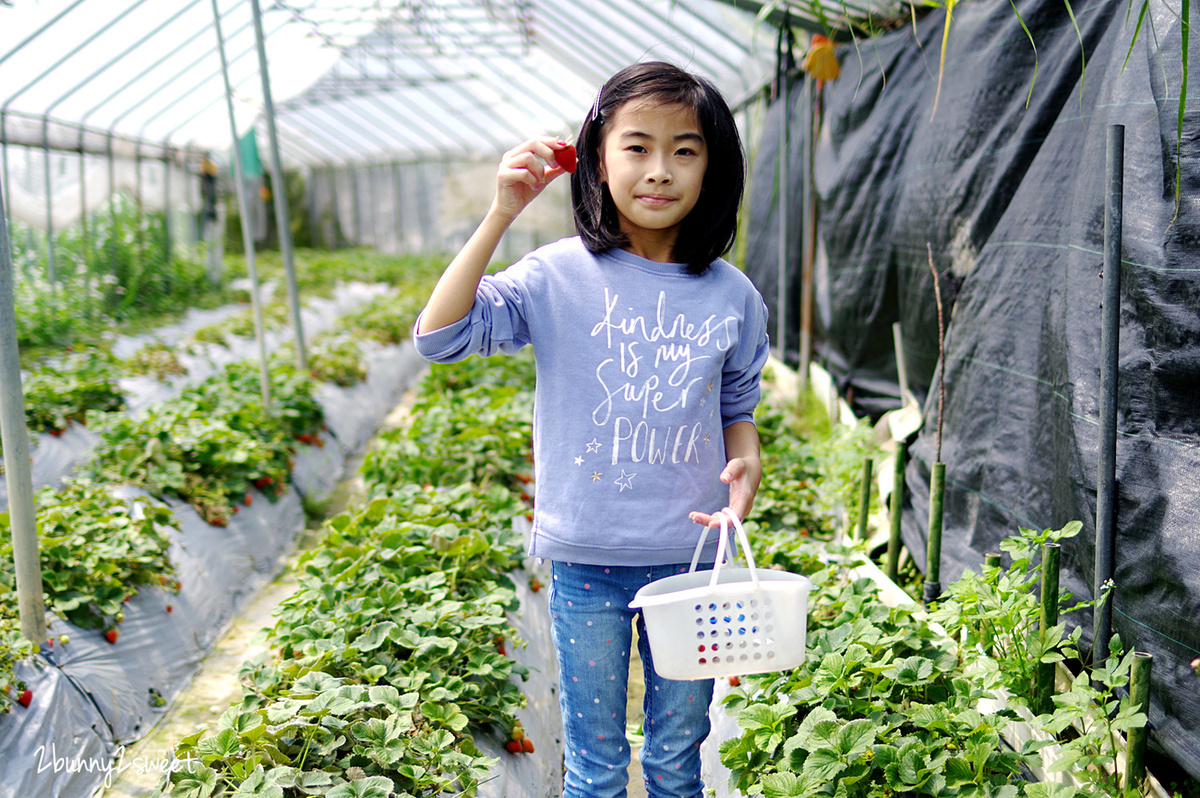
897, 507
1044, 685
1135, 740
864, 499
937, 477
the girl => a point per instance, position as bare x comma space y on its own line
649, 352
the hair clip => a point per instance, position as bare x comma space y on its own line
594, 114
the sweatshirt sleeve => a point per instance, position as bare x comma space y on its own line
741, 375
496, 323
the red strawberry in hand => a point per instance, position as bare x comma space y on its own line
566, 157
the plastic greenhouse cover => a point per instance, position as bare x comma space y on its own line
1011, 200
353, 80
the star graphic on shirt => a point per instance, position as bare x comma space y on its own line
594, 446
578, 460
596, 475
625, 480
709, 388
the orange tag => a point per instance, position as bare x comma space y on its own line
820, 61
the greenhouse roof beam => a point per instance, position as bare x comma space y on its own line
72, 53
147, 97
344, 134
49, 24
471, 103
393, 130
432, 134
290, 141
628, 10
333, 153
584, 44
189, 95
121, 56
151, 68
533, 95
733, 41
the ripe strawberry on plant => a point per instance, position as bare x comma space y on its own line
514, 746
527, 745
112, 634
25, 698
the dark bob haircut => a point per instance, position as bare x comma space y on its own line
708, 231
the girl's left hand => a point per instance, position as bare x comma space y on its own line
743, 476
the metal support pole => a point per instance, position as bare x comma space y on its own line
1135, 740
1048, 619
1110, 331
167, 231
358, 238
396, 207
864, 498
933, 546
897, 507
279, 182
21, 511
244, 208
782, 233
51, 270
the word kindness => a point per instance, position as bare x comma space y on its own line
657, 367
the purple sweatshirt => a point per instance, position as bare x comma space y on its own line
640, 367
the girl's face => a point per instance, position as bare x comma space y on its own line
653, 158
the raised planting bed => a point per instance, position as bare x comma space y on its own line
110, 663
397, 667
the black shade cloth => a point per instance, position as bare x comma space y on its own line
1010, 199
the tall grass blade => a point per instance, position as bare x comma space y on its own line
1082, 51
1137, 29
942, 64
1185, 34
1029, 96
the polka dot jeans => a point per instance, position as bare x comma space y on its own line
592, 630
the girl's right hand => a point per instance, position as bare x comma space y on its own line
524, 172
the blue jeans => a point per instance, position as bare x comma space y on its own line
592, 631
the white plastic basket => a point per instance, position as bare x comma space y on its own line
728, 621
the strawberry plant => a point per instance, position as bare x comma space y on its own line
384, 657
384, 662
57, 393
881, 707
387, 320
96, 551
212, 442
156, 359
476, 420
13, 647
333, 359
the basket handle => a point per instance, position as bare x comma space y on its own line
726, 515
